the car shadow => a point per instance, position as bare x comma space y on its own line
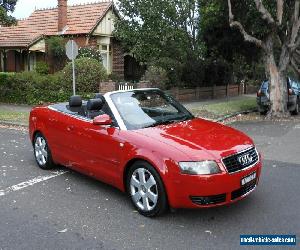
256, 206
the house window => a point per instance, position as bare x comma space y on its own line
106, 54
32, 61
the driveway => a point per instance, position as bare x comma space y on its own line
63, 209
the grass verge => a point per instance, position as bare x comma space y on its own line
221, 109
212, 110
14, 116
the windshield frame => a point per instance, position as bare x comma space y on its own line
118, 116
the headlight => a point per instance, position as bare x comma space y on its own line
200, 167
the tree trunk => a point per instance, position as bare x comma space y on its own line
277, 84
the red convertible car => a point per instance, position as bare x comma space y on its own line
147, 144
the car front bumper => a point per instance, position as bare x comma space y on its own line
188, 191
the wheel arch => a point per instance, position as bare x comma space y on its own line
127, 167
34, 134
136, 159
130, 162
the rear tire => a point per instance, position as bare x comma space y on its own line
146, 189
42, 152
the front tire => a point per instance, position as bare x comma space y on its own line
42, 152
146, 189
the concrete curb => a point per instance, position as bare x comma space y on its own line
234, 115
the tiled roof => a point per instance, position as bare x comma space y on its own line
81, 20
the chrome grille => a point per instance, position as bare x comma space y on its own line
241, 160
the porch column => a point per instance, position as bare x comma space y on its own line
28, 60
4, 61
1, 60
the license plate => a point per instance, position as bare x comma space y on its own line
248, 178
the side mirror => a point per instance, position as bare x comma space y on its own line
102, 120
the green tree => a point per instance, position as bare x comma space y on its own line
164, 33
56, 51
273, 27
7, 6
225, 46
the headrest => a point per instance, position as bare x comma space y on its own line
75, 101
94, 104
99, 96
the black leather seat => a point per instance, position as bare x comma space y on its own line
93, 108
100, 96
75, 105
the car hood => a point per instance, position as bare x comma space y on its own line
200, 139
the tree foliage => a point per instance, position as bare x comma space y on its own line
273, 26
56, 46
162, 32
6, 7
57, 52
90, 52
226, 47
191, 40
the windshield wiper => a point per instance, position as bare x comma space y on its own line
185, 118
164, 122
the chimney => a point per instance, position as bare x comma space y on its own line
62, 14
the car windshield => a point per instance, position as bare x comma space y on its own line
148, 108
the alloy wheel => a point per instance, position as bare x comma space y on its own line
40, 148
143, 189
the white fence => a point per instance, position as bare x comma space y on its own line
125, 86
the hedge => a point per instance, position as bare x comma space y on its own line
33, 88
89, 72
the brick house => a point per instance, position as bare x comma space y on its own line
23, 45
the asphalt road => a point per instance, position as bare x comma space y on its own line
72, 211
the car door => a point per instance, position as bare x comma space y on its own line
96, 150
58, 124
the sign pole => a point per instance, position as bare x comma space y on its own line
73, 65
72, 52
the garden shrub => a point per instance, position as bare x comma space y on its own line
42, 68
33, 88
89, 73
156, 76
115, 77
90, 52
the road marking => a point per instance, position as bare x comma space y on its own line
31, 182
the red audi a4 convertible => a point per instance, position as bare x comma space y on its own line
147, 144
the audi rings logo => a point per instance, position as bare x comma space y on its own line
245, 159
